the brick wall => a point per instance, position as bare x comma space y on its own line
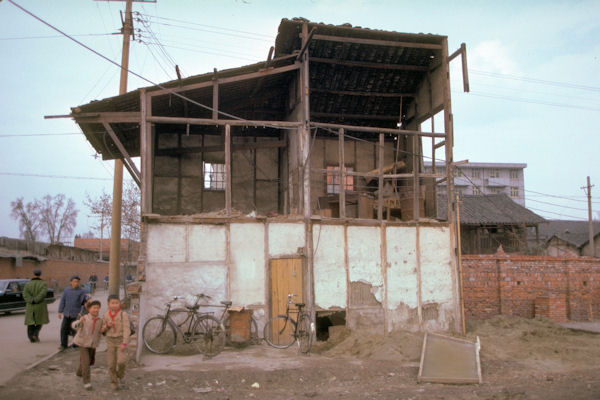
563, 287
60, 270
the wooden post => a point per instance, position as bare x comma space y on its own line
342, 174
215, 99
380, 184
415, 166
115, 232
419, 279
460, 277
228, 170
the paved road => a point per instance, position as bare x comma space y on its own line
17, 352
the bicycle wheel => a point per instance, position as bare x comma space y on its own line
159, 335
209, 335
304, 334
279, 332
253, 333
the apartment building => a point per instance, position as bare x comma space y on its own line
486, 178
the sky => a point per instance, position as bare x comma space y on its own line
534, 71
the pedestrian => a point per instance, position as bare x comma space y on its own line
115, 325
87, 338
70, 306
105, 282
36, 309
93, 280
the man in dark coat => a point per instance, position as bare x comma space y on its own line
36, 310
70, 306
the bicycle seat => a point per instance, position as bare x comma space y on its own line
227, 303
299, 304
194, 307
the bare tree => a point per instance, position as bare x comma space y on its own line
101, 209
58, 217
131, 218
29, 218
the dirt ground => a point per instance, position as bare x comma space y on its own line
520, 359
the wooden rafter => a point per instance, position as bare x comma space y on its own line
376, 42
362, 64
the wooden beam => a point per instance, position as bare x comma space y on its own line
231, 79
221, 122
362, 64
108, 117
342, 174
135, 174
215, 98
146, 153
228, 170
218, 148
372, 129
376, 42
380, 184
355, 116
365, 94
305, 43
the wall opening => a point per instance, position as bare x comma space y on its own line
327, 319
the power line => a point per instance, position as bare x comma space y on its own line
204, 25
529, 101
535, 80
557, 205
55, 36
40, 134
560, 214
55, 176
571, 198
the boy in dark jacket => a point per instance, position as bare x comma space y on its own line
70, 306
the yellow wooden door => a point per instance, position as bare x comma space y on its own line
286, 278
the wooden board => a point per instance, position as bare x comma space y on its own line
446, 359
286, 277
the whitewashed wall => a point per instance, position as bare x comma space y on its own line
187, 259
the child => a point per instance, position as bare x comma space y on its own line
88, 330
115, 325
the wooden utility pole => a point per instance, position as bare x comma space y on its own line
115, 231
588, 190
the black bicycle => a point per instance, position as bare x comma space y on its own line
282, 331
202, 330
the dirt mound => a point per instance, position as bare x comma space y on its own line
538, 344
400, 346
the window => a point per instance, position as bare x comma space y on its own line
514, 174
496, 190
476, 173
514, 191
333, 179
457, 172
214, 176
476, 190
494, 173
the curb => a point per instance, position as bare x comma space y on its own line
38, 362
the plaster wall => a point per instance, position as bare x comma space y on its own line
329, 266
364, 257
285, 239
247, 264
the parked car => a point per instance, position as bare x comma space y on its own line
11, 295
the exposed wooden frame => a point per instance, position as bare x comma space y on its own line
362, 64
228, 170
231, 79
108, 117
219, 148
146, 152
376, 42
372, 129
221, 122
366, 94
342, 174
215, 96
380, 184
355, 116
127, 162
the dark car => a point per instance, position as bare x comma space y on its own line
11, 295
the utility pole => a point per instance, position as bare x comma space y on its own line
590, 221
115, 229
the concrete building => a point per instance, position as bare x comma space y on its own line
486, 178
298, 175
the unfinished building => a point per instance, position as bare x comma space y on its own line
300, 174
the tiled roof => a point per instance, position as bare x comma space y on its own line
573, 232
496, 209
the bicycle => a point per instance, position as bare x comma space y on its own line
282, 331
204, 331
